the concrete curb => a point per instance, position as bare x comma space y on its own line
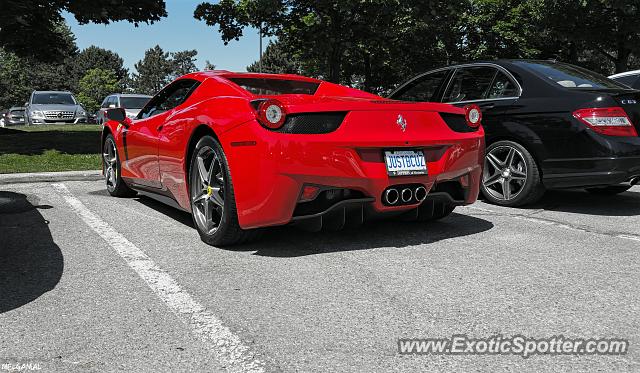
47, 177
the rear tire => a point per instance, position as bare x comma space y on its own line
510, 176
610, 190
213, 204
111, 168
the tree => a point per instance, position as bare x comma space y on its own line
607, 27
95, 85
209, 66
368, 44
28, 27
19, 76
98, 58
15, 86
506, 29
183, 63
153, 71
276, 60
158, 68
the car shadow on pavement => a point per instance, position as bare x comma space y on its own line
31, 264
582, 202
180, 216
289, 241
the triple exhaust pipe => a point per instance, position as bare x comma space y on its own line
404, 195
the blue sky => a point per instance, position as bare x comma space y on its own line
178, 31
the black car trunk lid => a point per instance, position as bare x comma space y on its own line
630, 102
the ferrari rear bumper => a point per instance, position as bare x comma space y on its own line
270, 175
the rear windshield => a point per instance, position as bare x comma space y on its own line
133, 102
53, 98
570, 76
269, 87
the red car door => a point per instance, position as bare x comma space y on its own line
141, 150
142, 139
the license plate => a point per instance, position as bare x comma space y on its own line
405, 162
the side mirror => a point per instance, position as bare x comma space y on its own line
118, 115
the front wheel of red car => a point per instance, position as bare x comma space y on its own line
111, 168
213, 204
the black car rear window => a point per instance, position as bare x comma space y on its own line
130, 102
269, 87
569, 76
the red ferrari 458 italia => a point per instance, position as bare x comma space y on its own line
244, 151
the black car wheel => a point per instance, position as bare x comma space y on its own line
510, 176
213, 203
111, 168
609, 190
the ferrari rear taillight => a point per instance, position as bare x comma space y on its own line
611, 121
473, 115
271, 114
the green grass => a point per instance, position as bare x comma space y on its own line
50, 148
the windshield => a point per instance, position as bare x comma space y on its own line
133, 102
273, 87
16, 112
570, 76
53, 98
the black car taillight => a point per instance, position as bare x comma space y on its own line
312, 123
611, 121
457, 122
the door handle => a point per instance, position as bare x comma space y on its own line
487, 106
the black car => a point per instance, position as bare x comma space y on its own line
548, 125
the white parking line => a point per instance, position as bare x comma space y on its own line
226, 346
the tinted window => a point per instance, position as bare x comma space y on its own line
628, 80
502, 87
424, 88
170, 97
470, 83
53, 98
133, 102
570, 76
273, 87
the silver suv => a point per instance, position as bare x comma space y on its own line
45, 107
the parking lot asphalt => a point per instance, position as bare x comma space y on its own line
94, 283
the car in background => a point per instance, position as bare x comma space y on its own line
131, 103
243, 151
14, 116
548, 125
54, 107
629, 78
91, 117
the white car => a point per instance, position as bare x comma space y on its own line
131, 103
630, 78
